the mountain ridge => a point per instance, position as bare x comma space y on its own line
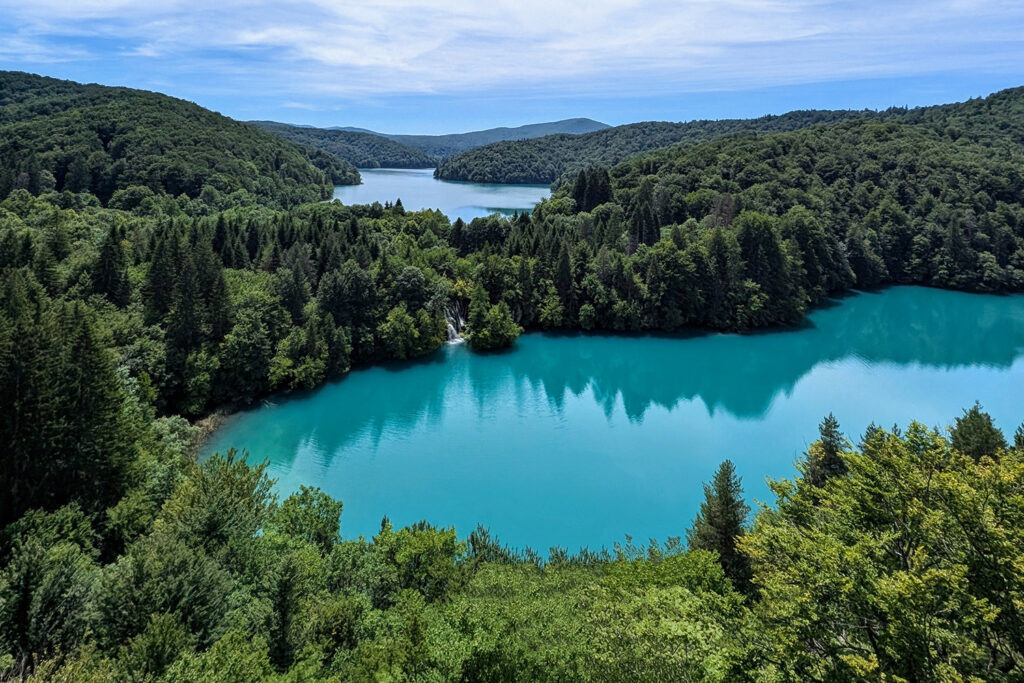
441, 146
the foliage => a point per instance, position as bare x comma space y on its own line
441, 146
721, 523
905, 565
362, 150
547, 159
135, 148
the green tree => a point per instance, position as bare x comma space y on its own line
310, 514
975, 435
111, 276
824, 459
721, 523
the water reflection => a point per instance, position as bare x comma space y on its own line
738, 375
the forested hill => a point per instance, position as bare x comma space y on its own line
362, 150
440, 146
61, 135
545, 159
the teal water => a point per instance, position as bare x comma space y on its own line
578, 440
418, 189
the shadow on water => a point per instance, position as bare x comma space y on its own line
740, 375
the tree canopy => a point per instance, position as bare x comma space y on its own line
126, 145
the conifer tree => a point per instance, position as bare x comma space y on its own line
218, 308
975, 435
295, 292
90, 435
720, 522
580, 191
111, 277
824, 457
184, 331
160, 278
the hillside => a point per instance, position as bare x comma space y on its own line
545, 159
362, 150
440, 146
61, 135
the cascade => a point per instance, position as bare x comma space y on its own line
456, 323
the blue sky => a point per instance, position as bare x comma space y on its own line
407, 66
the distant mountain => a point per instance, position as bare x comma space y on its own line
441, 146
352, 129
360, 148
61, 135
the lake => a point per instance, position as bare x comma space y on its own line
578, 440
418, 189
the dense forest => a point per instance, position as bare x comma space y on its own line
547, 159
129, 146
121, 322
362, 150
441, 146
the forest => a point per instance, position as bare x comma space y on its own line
130, 314
441, 146
362, 150
128, 146
547, 159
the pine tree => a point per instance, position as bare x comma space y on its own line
184, 324
644, 224
294, 290
111, 277
580, 191
218, 308
721, 521
599, 187
563, 279
90, 435
975, 435
824, 457
159, 285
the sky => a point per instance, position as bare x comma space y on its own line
439, 66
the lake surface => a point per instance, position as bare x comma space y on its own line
418, 189
578, 440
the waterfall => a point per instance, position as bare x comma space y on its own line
456, 323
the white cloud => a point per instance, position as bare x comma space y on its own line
300, 105
622, 46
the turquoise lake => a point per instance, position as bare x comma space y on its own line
418, 189
578, 440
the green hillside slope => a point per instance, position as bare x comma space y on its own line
543, 160
63, 135
362, 150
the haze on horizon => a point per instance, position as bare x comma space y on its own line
401, 66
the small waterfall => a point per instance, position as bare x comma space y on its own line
456, 323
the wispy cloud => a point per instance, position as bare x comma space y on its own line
343, 49
300, 105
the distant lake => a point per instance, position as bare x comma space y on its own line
418, 189
577, 440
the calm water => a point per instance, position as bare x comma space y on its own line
418, 189
578, 440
